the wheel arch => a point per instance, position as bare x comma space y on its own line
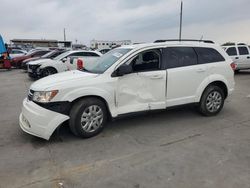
218, 83
97, 97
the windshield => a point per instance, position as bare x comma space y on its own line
61, 56
107, 60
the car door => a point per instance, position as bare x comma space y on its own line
184, 75
244, 57
145, 87
232, 52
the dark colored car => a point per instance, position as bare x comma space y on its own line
17, 62
49, 55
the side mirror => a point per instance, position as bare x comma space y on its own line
122, 70
64, 60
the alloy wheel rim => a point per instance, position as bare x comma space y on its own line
92, 118
214, 101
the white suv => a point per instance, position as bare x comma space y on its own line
240, 53
130, 79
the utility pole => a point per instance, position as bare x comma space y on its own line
180, 32
64, 34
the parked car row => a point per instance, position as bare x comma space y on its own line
47, 66
127, 79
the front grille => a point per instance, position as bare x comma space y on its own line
33, 67
30, 95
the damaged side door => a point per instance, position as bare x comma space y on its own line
145, 87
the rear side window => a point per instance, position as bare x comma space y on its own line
179, 57
231, 51
208, 55
243, 50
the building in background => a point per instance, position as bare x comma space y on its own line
107, 44
40, 43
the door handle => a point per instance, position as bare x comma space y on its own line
248, 57
236, 57
156, 77
201, 70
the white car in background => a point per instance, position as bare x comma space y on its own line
240, 53
16, 53
130, 79
61, 63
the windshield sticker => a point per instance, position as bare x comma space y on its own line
117, 54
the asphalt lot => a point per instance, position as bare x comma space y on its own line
173, 148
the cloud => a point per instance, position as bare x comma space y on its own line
138, 20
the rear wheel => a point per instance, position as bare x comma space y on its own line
48, 71
212, 101
88, 117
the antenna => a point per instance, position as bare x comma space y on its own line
64, 34
180, 32
201, 37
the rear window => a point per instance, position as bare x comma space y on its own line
243, 50
208, 55
231, 51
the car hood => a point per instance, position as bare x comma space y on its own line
59, 80
40, 61
22, 57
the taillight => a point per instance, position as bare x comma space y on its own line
233, 66
79, 64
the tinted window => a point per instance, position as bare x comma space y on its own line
243, 50
91, 54
145, 61
180, 57
40, 53
84, 54
231, 51
208, 55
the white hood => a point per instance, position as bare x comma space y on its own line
63, 79
40, 61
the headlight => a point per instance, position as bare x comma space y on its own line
44, 96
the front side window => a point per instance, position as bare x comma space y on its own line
208, 55
231, 51
180, 57
146, 61
243, 50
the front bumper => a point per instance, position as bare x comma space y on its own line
39, 121
34, 71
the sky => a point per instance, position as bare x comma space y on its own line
136, 20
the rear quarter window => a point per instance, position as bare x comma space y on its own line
243, 50
208, 55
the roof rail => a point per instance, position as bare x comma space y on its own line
185, 40
241, 44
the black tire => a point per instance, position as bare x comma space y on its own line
77, 113
211, 90
48, 71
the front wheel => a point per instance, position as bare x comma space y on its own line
212, 101
88, 117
